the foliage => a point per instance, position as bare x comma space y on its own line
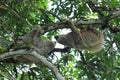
16, 18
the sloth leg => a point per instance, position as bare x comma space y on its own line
72, 25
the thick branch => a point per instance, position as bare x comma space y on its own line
39, 57
50, 65
83, 22
109, 9
77, 24
90, 22
10, 54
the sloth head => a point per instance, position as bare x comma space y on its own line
66, 40
62, 39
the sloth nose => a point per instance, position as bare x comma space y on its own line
56, 37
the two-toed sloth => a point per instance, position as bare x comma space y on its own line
32, 39
89, 39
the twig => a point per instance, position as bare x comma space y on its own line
86, 68
82, 57
113, 15
17, 15
114, 29
94, 8
45, 11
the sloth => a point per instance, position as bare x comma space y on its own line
32, 40
88, 39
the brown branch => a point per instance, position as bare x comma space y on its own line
86, 68
90, 22
77, 24
104, 8
82, 57
114, 29
113, 15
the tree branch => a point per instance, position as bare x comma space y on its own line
90, 22
12, 53
36, 55
16, 14
109, 9
77, 24
114, 29
48, 64
82, 57
113, 15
